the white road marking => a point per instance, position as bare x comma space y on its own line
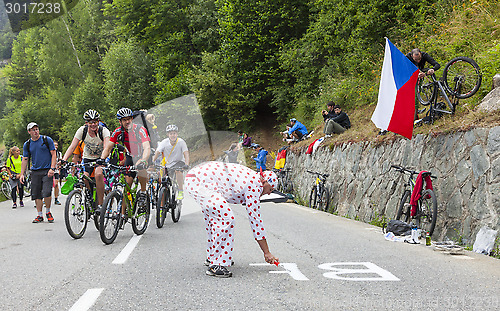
129, 248
290, 268
87, 300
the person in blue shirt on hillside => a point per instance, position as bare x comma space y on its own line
261, 158
295, 132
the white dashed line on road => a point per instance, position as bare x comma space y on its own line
87, 300
129, 248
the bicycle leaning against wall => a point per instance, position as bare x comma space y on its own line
320, 195
426, 213
461, 79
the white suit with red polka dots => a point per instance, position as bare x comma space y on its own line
215, 184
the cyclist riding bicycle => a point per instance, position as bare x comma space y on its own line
94, 137
175, 153
135, 139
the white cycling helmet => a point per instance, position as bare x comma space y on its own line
123, 113
91, 114
172, 128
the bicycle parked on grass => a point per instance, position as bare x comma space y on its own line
320, 195
81, 203
461, 79
285, 184
167, 197
426, 213
110, 218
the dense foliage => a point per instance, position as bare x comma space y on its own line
241, 58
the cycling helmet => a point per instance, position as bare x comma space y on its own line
172, 127
123, 113
91, 114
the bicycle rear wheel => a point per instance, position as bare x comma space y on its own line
404, 207
109, 217
313, 198
427, 215
324, 199
425, 90
6, 189
162, 206
140, 220
462, 77
75, 214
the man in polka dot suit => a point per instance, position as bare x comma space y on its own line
215, 185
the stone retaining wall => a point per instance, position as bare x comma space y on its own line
362, 186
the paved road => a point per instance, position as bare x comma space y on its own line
42, 268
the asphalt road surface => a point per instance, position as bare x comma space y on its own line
327, 263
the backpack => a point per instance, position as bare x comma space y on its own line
398, 227
28, 143
99, 132
153, 136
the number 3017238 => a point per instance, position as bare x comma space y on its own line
33, 8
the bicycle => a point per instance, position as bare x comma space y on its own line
461, 79
426, 213
285, 184
153, 186
110, 218
5, 187
320, 195
167, 198
81, 204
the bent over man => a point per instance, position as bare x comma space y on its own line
215, 185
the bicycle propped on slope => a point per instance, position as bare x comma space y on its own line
461, 79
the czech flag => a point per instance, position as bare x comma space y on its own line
395, 109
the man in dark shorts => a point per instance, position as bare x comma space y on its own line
136, 141
40, 149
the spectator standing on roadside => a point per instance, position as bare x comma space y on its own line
14, 163
336, 122
40, 149
261, 158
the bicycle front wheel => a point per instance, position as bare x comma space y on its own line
75, 214
404, 207
109, 217
425, 90
140, 220
462, 77
175, 208
324, 199
162, 206
313, 197
427, 215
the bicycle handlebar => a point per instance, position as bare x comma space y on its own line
405, 170
319, 174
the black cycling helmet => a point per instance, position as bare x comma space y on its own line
91, 114
171, 127
123, 113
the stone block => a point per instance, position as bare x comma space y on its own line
479, 160
493, 145
453, 205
